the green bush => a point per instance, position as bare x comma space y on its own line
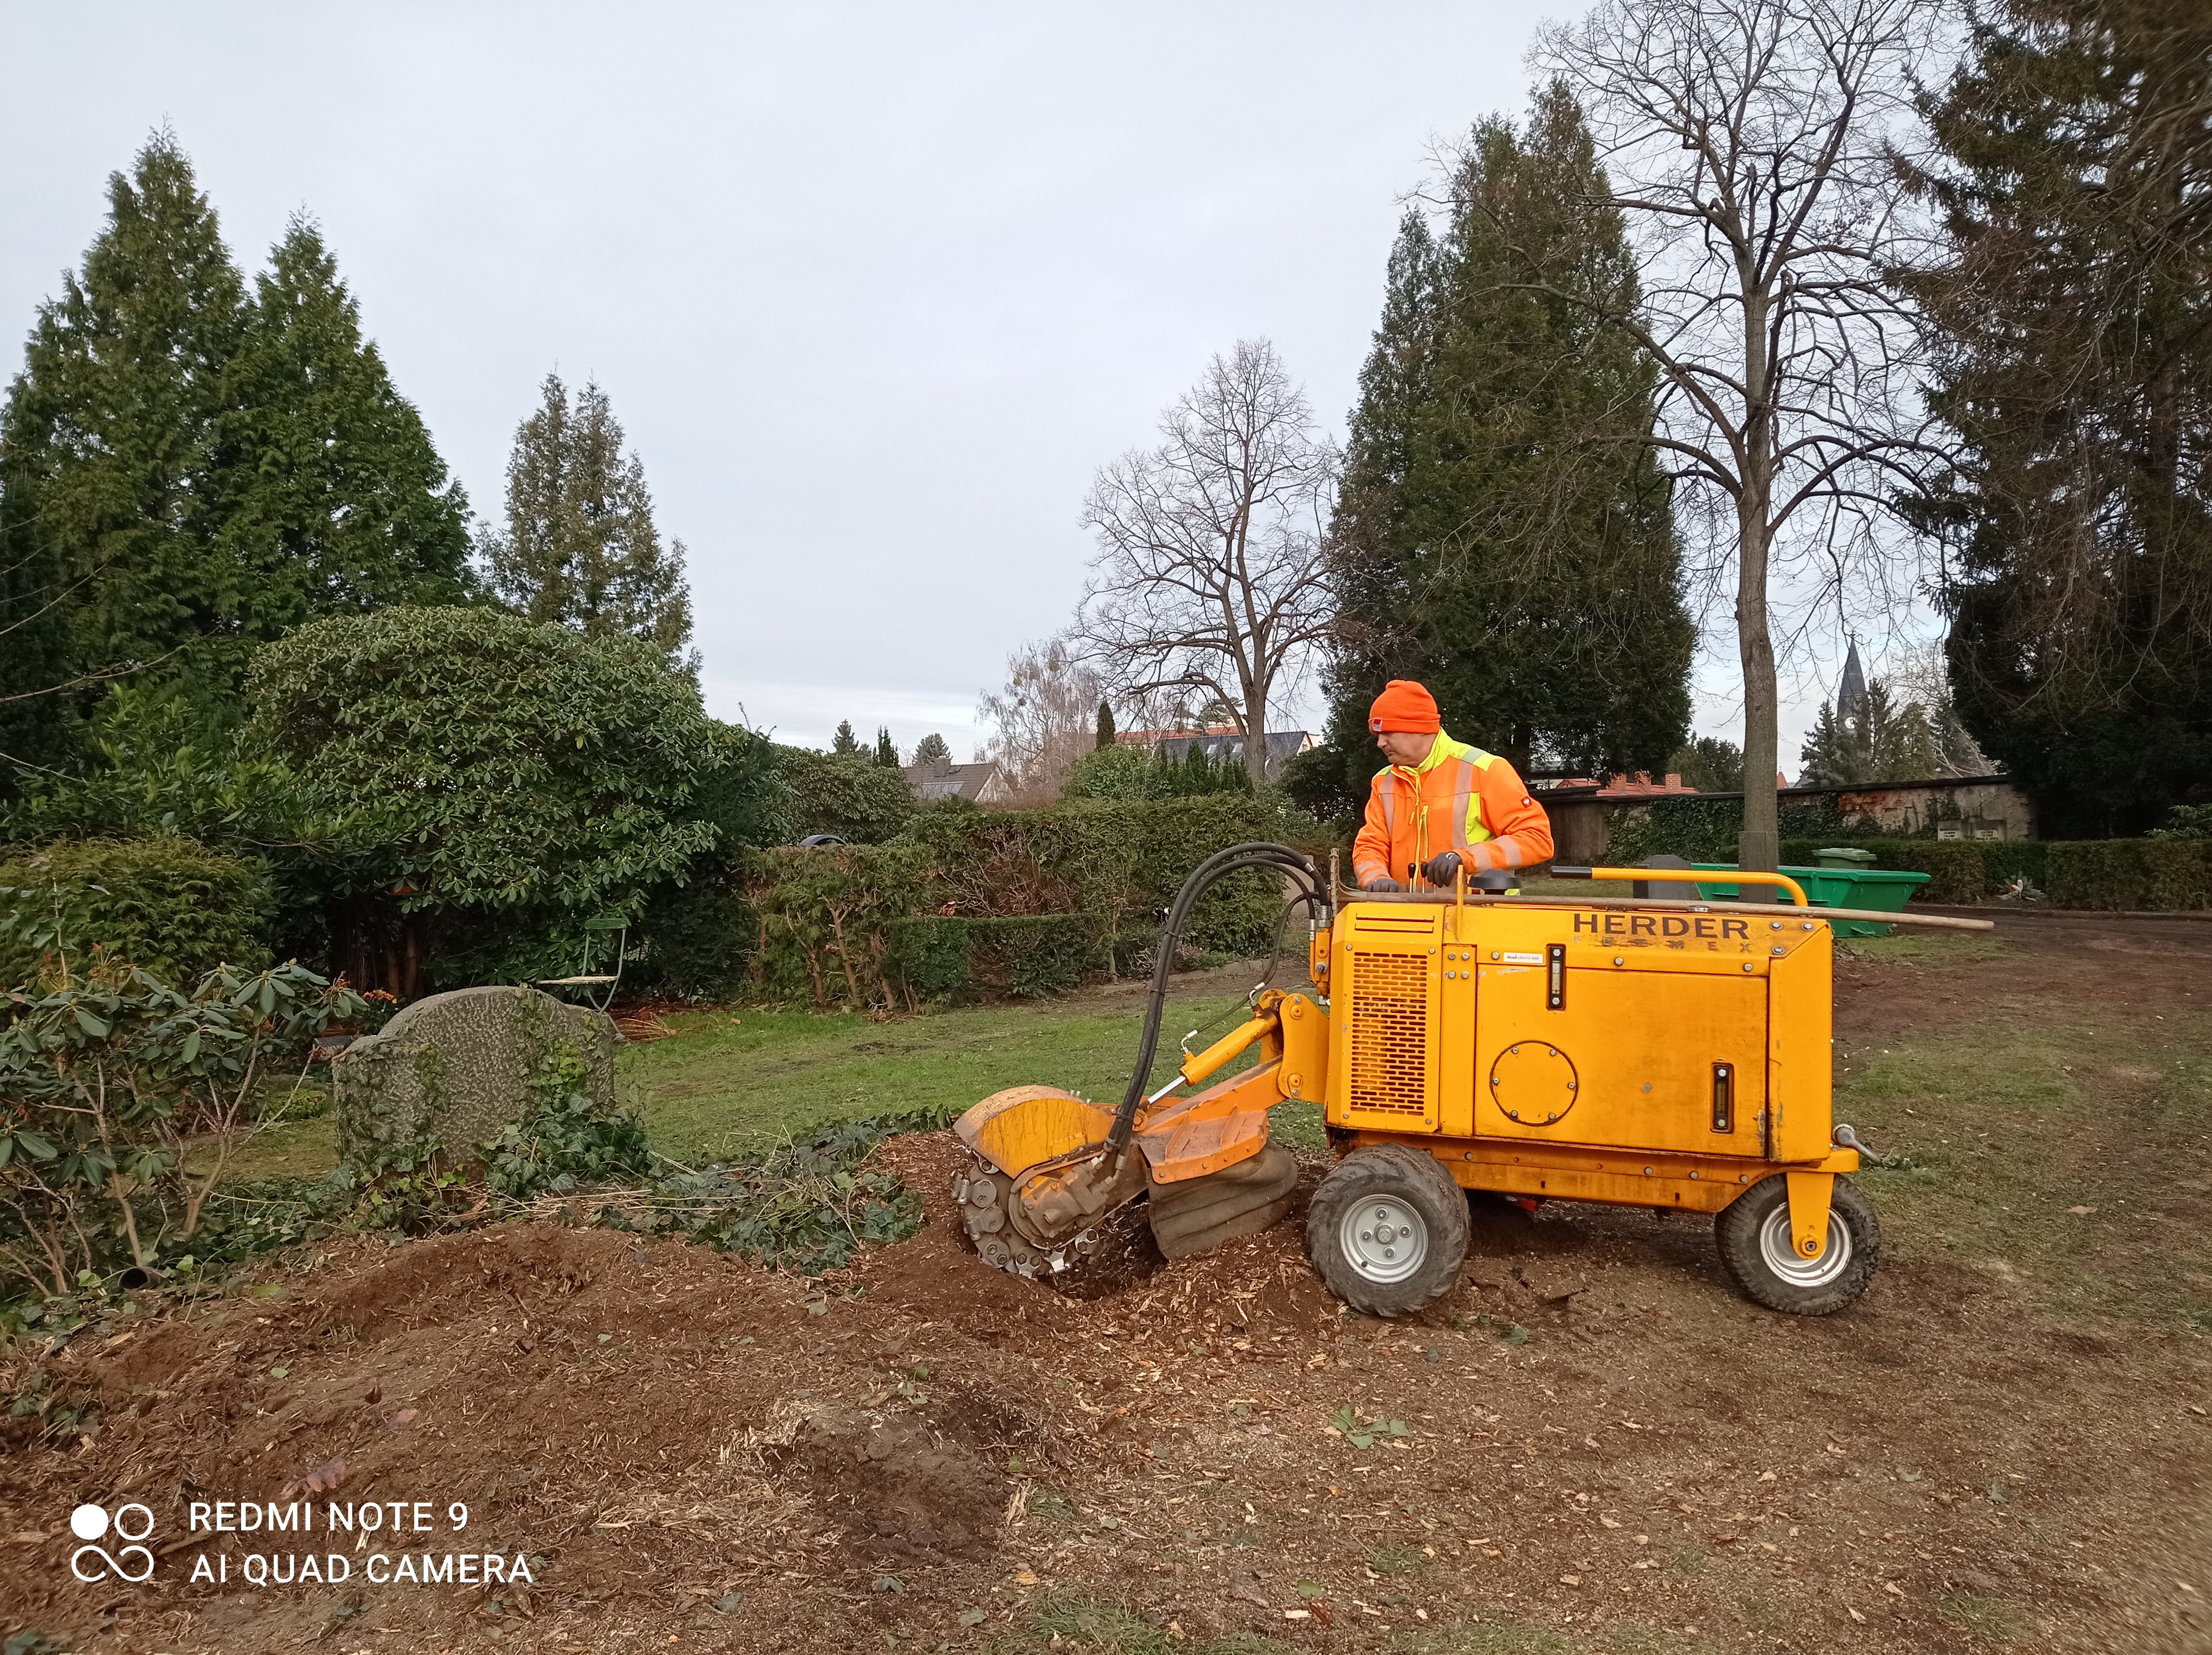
2179, 873
2167, 873
820, 918
945, 958
1119, 773
2127, 874
1320, 782
847, 795
971, 903
502, 780
1122, 863
171, 906
930, 955
1958, 871
125, 1099
692, 942
1033, 956
2185, 822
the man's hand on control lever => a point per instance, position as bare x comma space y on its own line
1384, 885
1442, 869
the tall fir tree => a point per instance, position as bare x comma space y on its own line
188, 471
581, 547
845, 743
110, 485
1876, 741
1503, 533
2075, 311
932, 749
343, 504
886, 749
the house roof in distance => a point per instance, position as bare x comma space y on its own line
979, 783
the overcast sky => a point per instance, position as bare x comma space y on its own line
874, 289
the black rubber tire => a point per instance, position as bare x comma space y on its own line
1391, 1171
1738, 1229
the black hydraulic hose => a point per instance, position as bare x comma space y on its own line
1219, 866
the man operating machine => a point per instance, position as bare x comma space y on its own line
1442, 806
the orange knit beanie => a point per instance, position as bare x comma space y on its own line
1404, 705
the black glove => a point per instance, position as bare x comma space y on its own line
1384, 885
1441, 869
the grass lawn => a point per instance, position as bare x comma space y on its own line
733, 1078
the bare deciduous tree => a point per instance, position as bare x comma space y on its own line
1044, 719
1751, 146
1208, 579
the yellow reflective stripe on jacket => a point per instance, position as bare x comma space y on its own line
1468, 827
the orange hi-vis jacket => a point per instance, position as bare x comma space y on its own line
1458, 798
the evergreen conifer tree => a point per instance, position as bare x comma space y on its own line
932, 749
2076, 371
1709, 764
1105, 724
886, 749
344, 504
579, 547
845, 743
1876, 741
186, 472
110, 469
1503, 534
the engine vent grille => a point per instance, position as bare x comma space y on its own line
1389, 1035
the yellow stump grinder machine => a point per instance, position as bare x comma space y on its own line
1657, 1051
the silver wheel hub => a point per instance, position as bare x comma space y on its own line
1777, 1250
1384, 1239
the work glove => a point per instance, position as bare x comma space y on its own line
1440, 870
1384, 885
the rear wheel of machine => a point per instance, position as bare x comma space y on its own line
1387, 1229
1753, 1232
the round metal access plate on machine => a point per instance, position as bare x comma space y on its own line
1534, 1083
1384, 1238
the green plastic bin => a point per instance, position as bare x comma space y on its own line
1883, 891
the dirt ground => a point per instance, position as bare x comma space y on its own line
1604, 1448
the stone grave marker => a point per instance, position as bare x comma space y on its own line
454, 1066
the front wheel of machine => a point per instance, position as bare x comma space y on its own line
1753, 1232
1387, 1229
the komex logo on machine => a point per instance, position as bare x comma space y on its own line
93, 1562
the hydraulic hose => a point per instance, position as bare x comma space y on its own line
1219, 866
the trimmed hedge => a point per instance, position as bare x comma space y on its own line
947, 957
2127, 874
1122, 863
819, 918
2103, 873
168, 903
973, 903
1958, 871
